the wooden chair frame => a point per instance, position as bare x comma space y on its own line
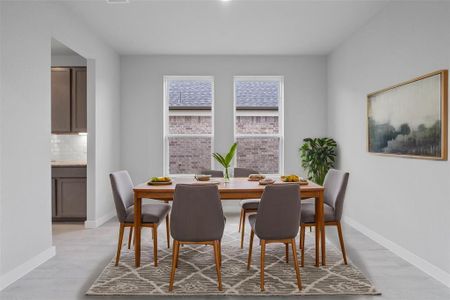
154, 227
217, 258
310, 225
244, 213
263, 253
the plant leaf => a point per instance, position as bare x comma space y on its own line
230, 154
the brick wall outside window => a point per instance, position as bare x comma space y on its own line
259, 153
190, 125
256, 124
189, 155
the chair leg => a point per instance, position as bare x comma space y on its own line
287, 252
243, 228
155, 244
302, 243
263, 253
168, 231
220, 254
217, 259
130, 235
240, 219
297, 270
300, 238
119, 245
250, 249
176, 249
341, 241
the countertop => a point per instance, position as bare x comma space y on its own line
69, 163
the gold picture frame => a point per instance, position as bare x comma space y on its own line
410, 119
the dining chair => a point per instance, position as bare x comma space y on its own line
197, 218
152, 214
213, 173
277, 221
248, 205
335, 184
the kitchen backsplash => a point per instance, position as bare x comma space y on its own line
68, 147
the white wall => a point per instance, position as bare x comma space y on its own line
25, 221
404, 203
68, 61
142, 102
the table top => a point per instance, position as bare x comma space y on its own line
235, 185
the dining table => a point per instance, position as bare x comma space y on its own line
235, 189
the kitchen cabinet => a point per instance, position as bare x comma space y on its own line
69, 100
79, 103
69, 193
61, 100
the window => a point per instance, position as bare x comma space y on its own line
258, 125
188, 124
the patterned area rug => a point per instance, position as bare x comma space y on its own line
196, 273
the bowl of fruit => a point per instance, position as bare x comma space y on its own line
293, 178
202, 177
160, 181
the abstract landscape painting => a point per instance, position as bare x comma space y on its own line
410, 119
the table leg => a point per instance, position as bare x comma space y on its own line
137, 228
317, 232
322, 229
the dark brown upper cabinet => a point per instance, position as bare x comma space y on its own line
61, 100
69, 105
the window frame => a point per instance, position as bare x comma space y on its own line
262, 112
184, 112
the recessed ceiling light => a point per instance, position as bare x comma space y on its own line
117, 1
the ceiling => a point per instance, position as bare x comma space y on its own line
256, 27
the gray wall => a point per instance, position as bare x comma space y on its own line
68, 61
142, 102
25, 197
403, 202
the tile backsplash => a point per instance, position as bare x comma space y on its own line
68, 147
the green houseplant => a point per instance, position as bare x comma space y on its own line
225, 161
317, 156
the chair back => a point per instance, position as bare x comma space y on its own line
243, 172
279, 212
213, 173
197, 214
335, 184
122, 189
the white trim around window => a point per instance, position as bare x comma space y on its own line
167, 113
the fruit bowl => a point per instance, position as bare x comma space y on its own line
202, 177
160, 181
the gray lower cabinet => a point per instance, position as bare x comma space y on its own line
69, 193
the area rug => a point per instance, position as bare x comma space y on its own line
196, 274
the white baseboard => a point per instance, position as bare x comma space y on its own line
432, 270
26, 267
100, 221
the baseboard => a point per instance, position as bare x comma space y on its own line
425, 266
100, 221
26, 267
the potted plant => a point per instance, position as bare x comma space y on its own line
317, 156
225, 161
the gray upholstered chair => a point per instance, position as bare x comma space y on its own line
152, 214
213, 173
247, 205
335, 185
197, 218
277, 221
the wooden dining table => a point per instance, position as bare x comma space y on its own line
236, 189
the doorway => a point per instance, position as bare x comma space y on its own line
69, 134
